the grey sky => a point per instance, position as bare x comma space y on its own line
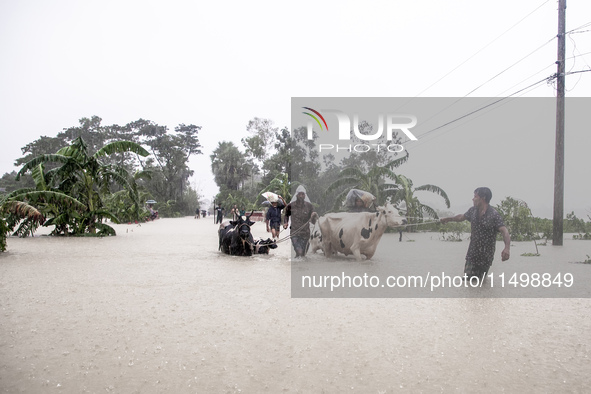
219, 64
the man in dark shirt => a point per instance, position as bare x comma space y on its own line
301, 213
273, 217
220, 211
485, 222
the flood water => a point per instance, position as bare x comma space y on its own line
158, 309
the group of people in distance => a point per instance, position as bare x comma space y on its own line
200, 213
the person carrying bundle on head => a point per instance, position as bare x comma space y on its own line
273, 216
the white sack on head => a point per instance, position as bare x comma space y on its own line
271, 197
367, 198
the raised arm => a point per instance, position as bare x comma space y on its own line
457, 218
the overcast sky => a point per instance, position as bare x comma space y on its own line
220, 64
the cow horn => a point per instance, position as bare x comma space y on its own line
251, 212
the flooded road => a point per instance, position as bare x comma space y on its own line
158, 309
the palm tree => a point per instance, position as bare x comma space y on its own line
372, 181
86, 179
228, 166
415, 209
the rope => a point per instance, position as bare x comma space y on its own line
308, 222
293, 233
418, 224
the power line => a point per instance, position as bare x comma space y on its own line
511, 66
576, 72
485, 106
482, 49
482, 108
577, 28
542, 70
491, 79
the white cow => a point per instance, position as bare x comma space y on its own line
353, 233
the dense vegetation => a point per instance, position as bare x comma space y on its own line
91, 173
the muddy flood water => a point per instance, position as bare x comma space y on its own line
157, 309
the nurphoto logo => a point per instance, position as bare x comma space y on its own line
393, 123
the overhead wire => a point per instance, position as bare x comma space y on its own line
488, 107
482, 108
491, 79
518, 93
482, 49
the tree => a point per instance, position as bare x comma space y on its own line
16, 212
228, 166
282, 186
518, 219
372, 181
83, 177
295, 157
8, 182
260, 144
415, 209
169, 163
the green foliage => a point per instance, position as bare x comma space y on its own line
9, 183
518, 219
282, 186
415, 210
168, 164
168, 161
4, 231
228, 166
239, 200
123, 207
259, 146
17, 214
71, 194
168, 209
573, 224
454, 231
372, 181
297, 157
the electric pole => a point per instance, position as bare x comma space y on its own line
558, 219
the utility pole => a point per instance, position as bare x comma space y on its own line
558, 219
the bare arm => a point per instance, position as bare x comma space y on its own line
287, 214
505, 254
457, 218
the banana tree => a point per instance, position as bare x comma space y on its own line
373, 181
281, 185
415, 209
18, 215
85, 178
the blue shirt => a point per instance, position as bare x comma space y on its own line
274, 213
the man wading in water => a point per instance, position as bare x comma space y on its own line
302, 214
485, 221
273, 218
